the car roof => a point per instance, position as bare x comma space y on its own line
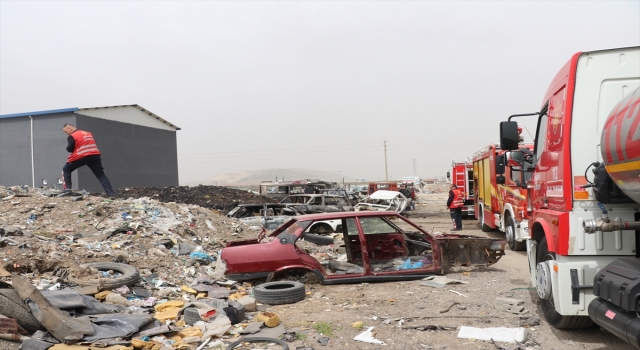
344, 214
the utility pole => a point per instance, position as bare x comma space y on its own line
386, 170
415, 173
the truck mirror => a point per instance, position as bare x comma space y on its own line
500, 180
448, 174
501, 160
509, 135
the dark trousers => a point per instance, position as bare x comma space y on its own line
95, 164
456, 216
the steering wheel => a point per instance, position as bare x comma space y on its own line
262, 234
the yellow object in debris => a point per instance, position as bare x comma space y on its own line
102, 295
357, 325
84, 347
181, 323
169, 305
190, 332
201, 296
167, 314
188, 289
146, 345
236, 296
270, 319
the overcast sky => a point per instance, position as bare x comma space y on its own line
317, 85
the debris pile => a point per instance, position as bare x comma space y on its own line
122, 273
214, 197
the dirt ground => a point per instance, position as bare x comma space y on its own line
342, 305
398, 311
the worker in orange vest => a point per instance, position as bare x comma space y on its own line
84, 151
455, 203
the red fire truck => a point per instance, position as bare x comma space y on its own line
584, 242
461, 175
500, 201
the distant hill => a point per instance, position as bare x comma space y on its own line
255, 177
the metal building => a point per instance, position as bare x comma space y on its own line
138, 147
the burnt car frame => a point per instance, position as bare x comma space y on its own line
318, 203
374, 243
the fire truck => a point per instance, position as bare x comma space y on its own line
461, 175
500, 201
584, 193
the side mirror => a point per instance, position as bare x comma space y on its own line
448, 174
500, 164
500, 180
509, 136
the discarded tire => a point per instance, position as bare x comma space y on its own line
258, 340
12, 306
281, 292
130, 276
318, 239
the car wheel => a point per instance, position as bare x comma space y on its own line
548, 307
318, 239
130, 276
12, 306
280, 292
510, 233
282, 343
483, 226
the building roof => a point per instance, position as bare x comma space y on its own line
31, 114
91, 112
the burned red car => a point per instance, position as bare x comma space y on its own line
370, 246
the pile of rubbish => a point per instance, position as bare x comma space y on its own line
214, 197
120, 274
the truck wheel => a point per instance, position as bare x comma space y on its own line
548, 307
510, 233
483, 226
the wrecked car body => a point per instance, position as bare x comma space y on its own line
318, 203
375, 248
383, 200
272, 215
269, 216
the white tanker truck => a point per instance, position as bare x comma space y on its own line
584, 226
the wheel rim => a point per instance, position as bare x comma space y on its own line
509, 233
550, 300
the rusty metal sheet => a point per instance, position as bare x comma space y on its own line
460, 250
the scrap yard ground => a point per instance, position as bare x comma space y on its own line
405, 315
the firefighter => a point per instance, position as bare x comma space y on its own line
84, 151
455, 203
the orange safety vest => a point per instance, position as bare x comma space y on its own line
85, 146
458, 199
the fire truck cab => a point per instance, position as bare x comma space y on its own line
500, 197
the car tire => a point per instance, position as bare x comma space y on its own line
12, 306
280, 292
318, 239
510, 234
282, 343
130, 276
483, 226
549, 309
